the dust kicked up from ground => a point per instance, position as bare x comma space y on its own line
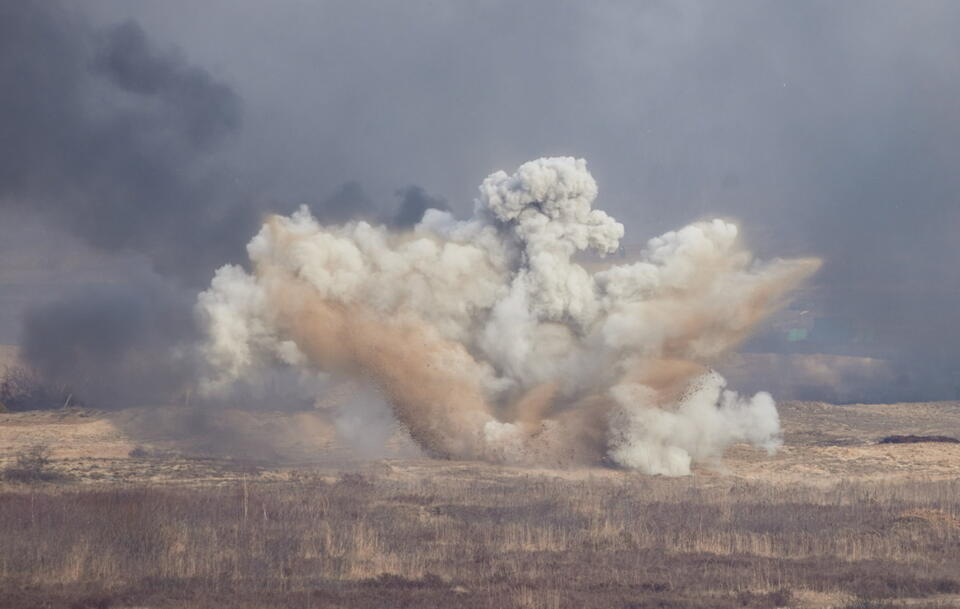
823, 444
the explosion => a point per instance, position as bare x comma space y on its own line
492, 339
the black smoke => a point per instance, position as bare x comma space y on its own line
111, 137
414, 200
349, 201
115, 139
114, 345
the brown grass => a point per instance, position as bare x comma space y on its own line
498, 537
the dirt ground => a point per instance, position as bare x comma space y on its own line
823, 444
834, 519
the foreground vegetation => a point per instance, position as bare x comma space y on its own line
480, 537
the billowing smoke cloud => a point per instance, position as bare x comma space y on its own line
348, 202
114, 139
828, 125
825, 125
492, 337
110, 137
701, 425
414, 202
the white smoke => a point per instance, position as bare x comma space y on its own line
705, 421
491, 340
361, 417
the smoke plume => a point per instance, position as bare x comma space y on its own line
113, 139
111, 345
501, 337
110, 137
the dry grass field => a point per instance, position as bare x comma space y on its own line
260, 510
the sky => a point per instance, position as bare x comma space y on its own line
140, 143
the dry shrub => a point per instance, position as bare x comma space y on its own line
31, 465
911, 439
879, 584
138, 452
782, 597
23, 389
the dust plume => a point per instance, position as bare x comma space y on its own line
491, 339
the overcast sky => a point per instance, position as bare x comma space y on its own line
826, 128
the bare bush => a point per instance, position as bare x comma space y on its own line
31, 465
23, 389
911, 439
138, 452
